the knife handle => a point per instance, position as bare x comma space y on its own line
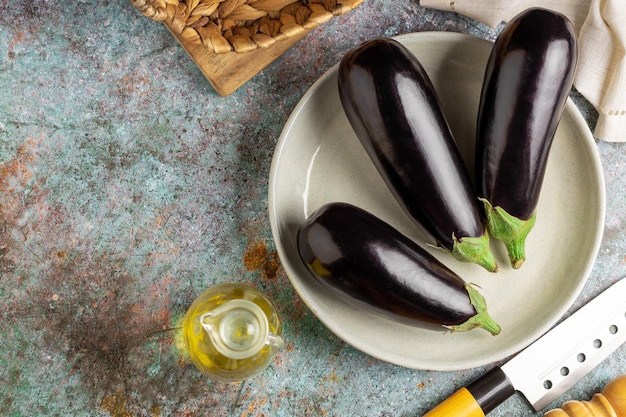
478, 398
611, 402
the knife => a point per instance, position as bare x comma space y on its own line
552, 364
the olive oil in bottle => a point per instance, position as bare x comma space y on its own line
232, 332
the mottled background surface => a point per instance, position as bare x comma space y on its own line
128, 186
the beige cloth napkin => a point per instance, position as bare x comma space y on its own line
601, 29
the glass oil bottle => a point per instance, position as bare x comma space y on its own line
232, 332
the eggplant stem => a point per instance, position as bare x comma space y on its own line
475, 250
511, 230
481, 318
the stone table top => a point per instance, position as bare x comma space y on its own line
128, 186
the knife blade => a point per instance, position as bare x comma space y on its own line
552, 364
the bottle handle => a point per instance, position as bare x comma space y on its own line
274, 340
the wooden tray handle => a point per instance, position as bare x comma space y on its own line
611, 402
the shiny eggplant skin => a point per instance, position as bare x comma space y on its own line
396, 114
528, 78
360, 257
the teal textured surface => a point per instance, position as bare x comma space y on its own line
128, 187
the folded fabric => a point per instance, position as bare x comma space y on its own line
601, 29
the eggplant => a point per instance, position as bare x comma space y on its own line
528, 78
364, 259
396, 114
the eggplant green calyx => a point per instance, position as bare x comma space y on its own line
512, 231
481, 318
475, 250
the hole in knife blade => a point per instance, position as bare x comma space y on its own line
597, 343
565, 371
613, 329
547, 384
581, 357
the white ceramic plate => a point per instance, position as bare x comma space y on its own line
318, 160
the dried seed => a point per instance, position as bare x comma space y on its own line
246, 12
315, 7
302, 14
324, 3
205, 9
274, 27
228, 6
287, 19
271, 5
264, 28
242, 31
191, 20
290, 8
200, 22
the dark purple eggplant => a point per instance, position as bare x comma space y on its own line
527, 81
361, 257
396, 114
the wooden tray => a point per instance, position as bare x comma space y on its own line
232, 40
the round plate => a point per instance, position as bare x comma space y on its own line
318, 160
